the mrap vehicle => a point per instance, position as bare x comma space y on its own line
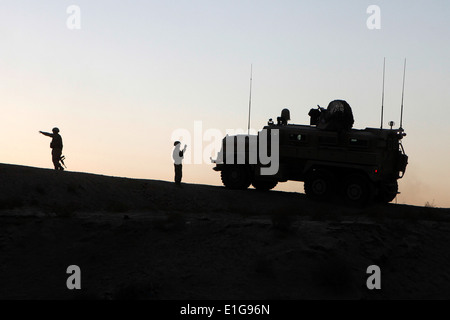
328, 155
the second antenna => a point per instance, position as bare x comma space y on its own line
250, 99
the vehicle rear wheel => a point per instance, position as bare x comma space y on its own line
264, 185
357, 190
319, 185
236, 177
387, 191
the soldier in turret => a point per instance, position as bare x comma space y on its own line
285, 117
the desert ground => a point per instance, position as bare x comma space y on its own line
148, 239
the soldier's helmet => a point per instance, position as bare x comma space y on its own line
55, 130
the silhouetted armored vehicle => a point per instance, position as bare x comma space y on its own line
332, 158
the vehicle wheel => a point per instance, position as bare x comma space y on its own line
236, 177
264, 185
357, 190
387, 191
319, 185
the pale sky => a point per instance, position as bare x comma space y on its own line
137, 71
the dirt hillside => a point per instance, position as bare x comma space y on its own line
148, 239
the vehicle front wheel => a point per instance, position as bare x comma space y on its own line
236, 177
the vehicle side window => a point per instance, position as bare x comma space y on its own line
297, 137
358, 143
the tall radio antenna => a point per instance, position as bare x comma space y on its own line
250, 99
403, 93
382, 95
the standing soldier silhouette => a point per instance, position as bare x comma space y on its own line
177, 156
57, 146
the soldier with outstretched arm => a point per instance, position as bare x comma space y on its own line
57, 146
